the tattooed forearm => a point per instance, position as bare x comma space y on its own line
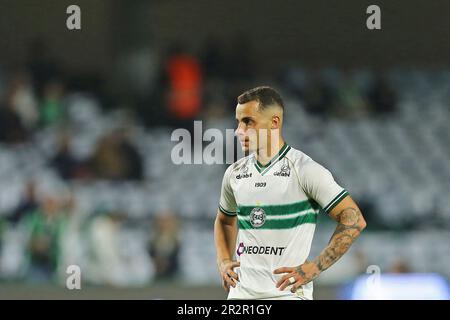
350, 225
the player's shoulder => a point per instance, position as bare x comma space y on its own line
297, 156
239, 164
301, 160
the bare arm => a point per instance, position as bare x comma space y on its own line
350, 223
225, 233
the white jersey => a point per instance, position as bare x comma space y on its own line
276, 206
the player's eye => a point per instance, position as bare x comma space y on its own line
245, 121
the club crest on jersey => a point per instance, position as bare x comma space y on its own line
244, 173
285, 171
257, 217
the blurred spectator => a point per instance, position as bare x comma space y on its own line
116, 158
42, 65
22, 99
164, 246
45, 226
73, 240
27, 205
382, 97
184, 85
107, 266
52, 108
12, 130
350, 100
319, 97
65, 163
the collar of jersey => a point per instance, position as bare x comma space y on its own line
262, 169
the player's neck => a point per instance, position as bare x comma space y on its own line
265, 155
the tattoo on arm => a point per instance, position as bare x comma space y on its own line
347, 231
300, 271
314, 274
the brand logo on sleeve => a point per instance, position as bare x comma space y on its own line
244, 173
285, 171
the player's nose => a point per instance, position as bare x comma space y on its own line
239, 132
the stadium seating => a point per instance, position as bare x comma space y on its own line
398, 163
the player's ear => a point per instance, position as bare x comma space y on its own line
276, 121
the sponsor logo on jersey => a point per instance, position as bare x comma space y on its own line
285, 171
242, 248
244, 173
257, 217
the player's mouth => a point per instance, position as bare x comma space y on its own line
244, 142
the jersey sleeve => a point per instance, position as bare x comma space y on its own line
319, 184
227, 202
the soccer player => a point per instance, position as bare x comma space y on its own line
269, 204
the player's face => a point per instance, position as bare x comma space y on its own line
252, 126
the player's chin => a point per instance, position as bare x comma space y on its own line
246, 149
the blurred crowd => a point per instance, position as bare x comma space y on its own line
83, 137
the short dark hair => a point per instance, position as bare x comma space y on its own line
266, 96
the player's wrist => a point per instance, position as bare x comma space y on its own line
221, 262
316, 266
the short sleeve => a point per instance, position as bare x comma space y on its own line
319, 184
227, 203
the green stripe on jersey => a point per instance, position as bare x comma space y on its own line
282, 209
228, 213
333, 203
280, 223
